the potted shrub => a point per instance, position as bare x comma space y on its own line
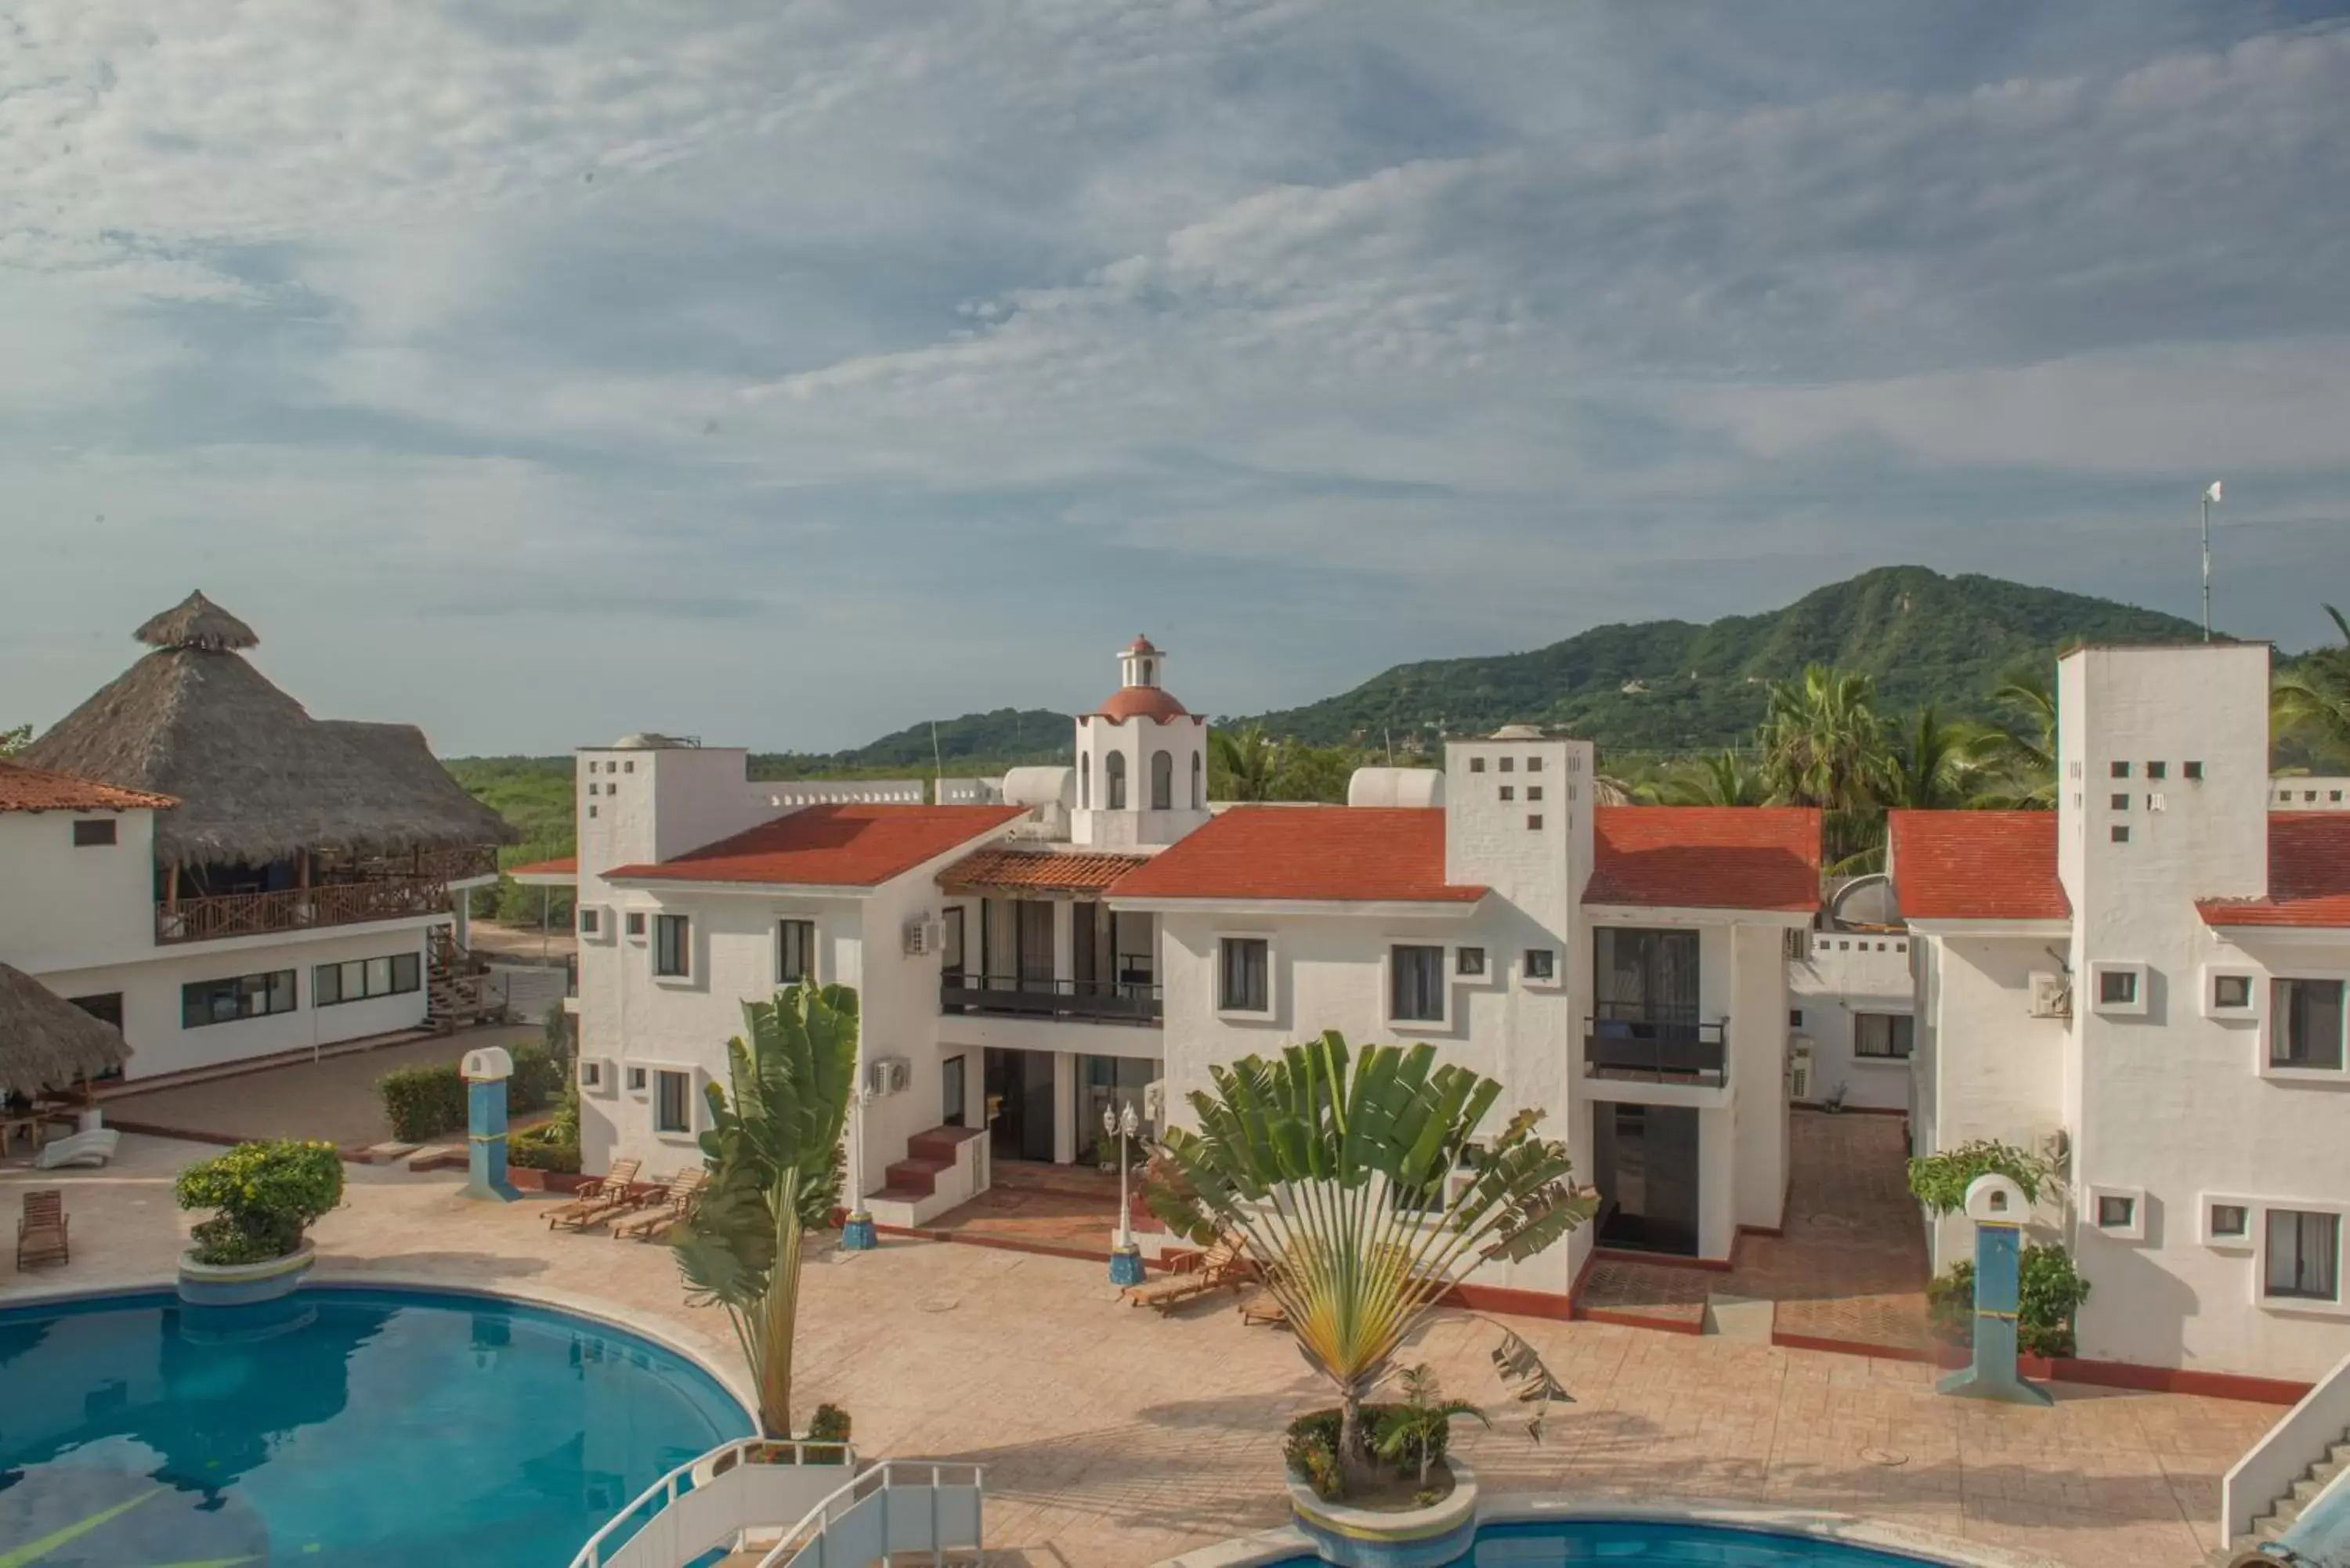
265, 1197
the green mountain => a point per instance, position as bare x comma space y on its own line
1671, 686
1006, 737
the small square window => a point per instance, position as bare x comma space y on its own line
1541, 963
588, 918
1476, 764
1794, 1018
592, 788
2118, 801
637, 1079
2121, 769
1533, 764
1469, 961
636, 922
92, 835
591, 1073
2157, 769
591, 811
2230, 1220
1534, 792
2117, 988
1506, 764
2191, 770
628, 767
2231, 991
2120, 835
593, 765
1509, 794
1534, 823
2116, 1213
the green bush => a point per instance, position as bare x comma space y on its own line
423, 1103
539, 1076
266, 1195
1311, 1447
831, 1424
555, 1144
1939, 1181
2050, 1291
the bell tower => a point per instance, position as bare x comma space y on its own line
1142, 760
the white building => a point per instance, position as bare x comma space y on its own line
192, 857
1851, 1003
1102, 937
2147, 984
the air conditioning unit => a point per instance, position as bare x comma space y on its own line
921, 936
1799, 1067
886, 1075
2051, 994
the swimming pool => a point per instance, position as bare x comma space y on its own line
1646, 1544
344, 1428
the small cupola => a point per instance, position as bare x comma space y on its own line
1141, 692
1141, 664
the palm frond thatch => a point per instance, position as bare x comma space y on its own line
196, 622
46, 1041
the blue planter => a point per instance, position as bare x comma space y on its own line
1125, 1266
857, 1234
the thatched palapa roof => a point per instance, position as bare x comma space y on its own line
48, 1043
256, 777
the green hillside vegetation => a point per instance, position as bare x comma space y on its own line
1673, 687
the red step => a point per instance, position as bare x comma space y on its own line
940, 1143
918, 1175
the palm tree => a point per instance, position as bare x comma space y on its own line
1243, 765
1418, 1426
1822, 742
774, 1153
1723, 778
1358, 1182
1931, 767
2312, 704
2020, 763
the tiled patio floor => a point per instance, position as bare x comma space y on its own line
1116, 1438
1052, 1208
1850, 1268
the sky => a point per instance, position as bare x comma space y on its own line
787, 373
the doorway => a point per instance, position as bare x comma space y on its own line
1020, 1099
1643, 1162
951, 1092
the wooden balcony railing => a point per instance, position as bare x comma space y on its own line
210, 920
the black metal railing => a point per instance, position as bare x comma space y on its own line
1656, 1045
1082, 1001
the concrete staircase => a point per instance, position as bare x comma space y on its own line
927, 1156
2287, 1509
943, 1167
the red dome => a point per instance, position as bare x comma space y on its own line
1142, 703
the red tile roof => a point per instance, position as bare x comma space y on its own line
1706, 857
38, 789
1976, 865
569, 866
830, 846
1043, 872
1324, 854
2309, 876
1141, 703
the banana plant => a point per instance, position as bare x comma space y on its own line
1357, 1182
773, 1155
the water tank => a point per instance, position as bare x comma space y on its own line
1396, 786
1033, 787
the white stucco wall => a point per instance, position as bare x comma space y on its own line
63, 906
1851, 973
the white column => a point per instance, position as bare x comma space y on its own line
1064, 922
1064, 1101
462, 918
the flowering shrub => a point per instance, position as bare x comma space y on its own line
266, 1195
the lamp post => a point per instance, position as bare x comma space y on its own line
857, 1232
1125, 1257
2211, 498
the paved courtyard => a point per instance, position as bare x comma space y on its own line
1118, 1437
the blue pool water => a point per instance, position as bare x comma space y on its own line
336, 1428
1628, 1543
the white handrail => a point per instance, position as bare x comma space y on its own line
717, 1462
809, 1534
2284, 1453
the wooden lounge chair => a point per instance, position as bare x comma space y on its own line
597, 1200
651, 1222
41, 1230
1197, 1275
1261, 1307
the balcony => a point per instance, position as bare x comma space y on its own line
1073, 1001
354, 901
1655, 1045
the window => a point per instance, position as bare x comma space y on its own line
591, 810
2118, 801
2193, 769
1246, 985
245, 996
1882, 1035
1199, 784
590, 919
1469, 961
2232, 993
628, 767
2230, 1221
2117, 988
1476, 764
332, 984
2158, 770
672, 1102
1541, 963
2116, 1213
1794, 1018
1506, 764
1508, 793
1534, 792
591, 1072
2121, 769
1114, 780
673, 945
636, 923
2120, 835
1085, 782
1416, 983
2305, 1023
795, 951
637, 1080
1533, 764
2304, 1255
1534, 823
1163, 781
592, 789
93, 834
